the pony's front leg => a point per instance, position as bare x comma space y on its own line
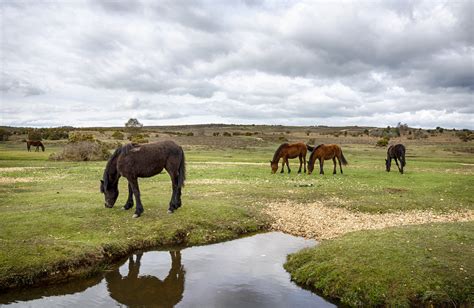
398, 166
129, 203
321, 163
136, 191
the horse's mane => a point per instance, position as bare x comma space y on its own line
278, 151
120, 150
314, 151
318, 147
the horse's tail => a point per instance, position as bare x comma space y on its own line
343, 159
182, 170
310, 148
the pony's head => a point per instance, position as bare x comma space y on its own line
274, 166
387, 164
310, 166
110, 193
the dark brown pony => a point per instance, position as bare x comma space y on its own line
36, 144
396, 152
324, 152
134, 161
286, 151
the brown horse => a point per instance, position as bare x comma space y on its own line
324, 152
286, 151
34, 143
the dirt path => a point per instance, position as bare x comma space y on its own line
314, 220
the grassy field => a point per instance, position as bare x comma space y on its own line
54, 224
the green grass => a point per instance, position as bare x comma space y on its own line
416, 265
54, 224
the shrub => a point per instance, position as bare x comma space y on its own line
83, 151
34, 134
383, 142
138, 139
118, 135
4, 134
79, 137
190, 134
215, 134
227, 134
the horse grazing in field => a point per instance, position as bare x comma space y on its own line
134, 161
324, 152
286, 151
396, 152
36, 144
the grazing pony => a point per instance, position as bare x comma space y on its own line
286, 151
324, 152
396, 152
134, 161
36, 144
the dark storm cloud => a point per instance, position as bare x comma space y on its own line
359, 61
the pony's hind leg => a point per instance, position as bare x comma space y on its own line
340, 165
282, 165
129, 203
334, 162
321, 165
287, 165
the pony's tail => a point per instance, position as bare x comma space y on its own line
182, 170
343, 159
310, 148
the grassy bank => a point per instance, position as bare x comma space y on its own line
415, 265
54, 224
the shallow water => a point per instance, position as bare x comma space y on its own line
247, 272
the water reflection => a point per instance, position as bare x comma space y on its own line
135, 290
247, 272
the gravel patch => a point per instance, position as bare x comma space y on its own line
315, 220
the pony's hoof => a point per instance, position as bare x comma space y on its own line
170, 212
135, 216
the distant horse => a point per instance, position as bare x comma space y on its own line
286, 151
134, 161
36, 144
396, 152
324, 152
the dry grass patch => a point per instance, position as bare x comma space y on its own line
315, 220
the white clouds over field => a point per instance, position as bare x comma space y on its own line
98, 63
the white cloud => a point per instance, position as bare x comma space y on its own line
298, 63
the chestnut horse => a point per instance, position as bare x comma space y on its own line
134, 161
396, 152
286, 151
36, 144
324, 152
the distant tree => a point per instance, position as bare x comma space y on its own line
34, 134
133, 123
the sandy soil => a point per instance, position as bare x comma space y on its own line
315, 220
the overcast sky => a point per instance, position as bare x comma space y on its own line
99, 63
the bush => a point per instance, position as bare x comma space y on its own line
34, 134
190, 134
83, 151
383, 142
118, 135
215, 134
79, 137
4, 134
227, 134
138, 139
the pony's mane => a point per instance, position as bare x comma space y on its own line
318, 147
120, 150
278, 151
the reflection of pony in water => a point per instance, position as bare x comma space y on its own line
396, 152
324, 152
147, 291
286, 151
36, 144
